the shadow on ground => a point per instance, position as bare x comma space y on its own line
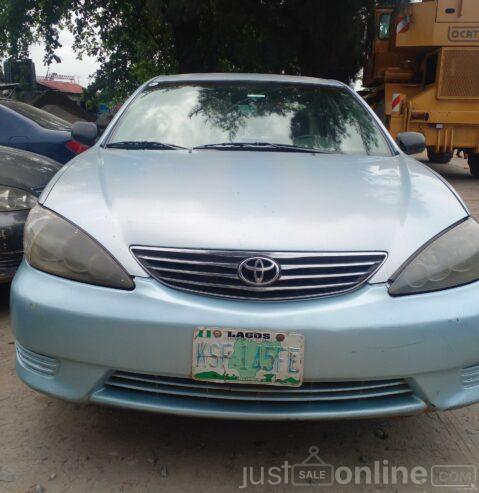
75, 441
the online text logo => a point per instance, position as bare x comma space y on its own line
314, 471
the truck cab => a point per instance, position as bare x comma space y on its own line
422, 74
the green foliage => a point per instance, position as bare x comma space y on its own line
396, 4
137, 39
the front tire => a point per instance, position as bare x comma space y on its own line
438, 157
473, 161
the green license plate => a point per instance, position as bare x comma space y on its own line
262, 357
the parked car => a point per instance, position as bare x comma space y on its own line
250, 246
25, 127
23, 176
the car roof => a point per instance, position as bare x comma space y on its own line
246, 77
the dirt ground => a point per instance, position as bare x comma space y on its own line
54, 446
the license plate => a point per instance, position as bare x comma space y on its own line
261, 357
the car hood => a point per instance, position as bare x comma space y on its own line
25, 170
267, 201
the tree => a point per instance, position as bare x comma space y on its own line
137, 39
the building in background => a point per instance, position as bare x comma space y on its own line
21, 72
61, 95
58, 94
66, 84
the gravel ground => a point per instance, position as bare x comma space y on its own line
53, 446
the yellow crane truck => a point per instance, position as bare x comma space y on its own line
422, 74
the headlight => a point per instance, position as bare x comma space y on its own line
450, 260
14, 199
54, 245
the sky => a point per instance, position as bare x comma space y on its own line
70, 65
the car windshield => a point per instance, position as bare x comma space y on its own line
42, 118
238, 115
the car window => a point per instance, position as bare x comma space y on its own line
42, 118
327, 118
384, 23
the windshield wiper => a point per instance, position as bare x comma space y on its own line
264, 146
142, 144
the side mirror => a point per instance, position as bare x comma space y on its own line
85, 132
411, 142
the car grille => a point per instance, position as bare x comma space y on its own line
10, 260
140, 383
302, 275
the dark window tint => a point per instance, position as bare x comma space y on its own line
431, 67
384, 23
42, 118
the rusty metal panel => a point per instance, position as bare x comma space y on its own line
458, 73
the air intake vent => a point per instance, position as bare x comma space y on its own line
307, 393
300, 275
458, 74
36, 362
470, 376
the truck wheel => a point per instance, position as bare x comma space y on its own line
473, 162
438, 157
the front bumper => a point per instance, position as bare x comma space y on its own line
11, 242
430, 342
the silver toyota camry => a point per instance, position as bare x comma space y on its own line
250, 246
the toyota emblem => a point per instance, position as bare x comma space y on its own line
258, 271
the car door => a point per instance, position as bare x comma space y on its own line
18, 141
